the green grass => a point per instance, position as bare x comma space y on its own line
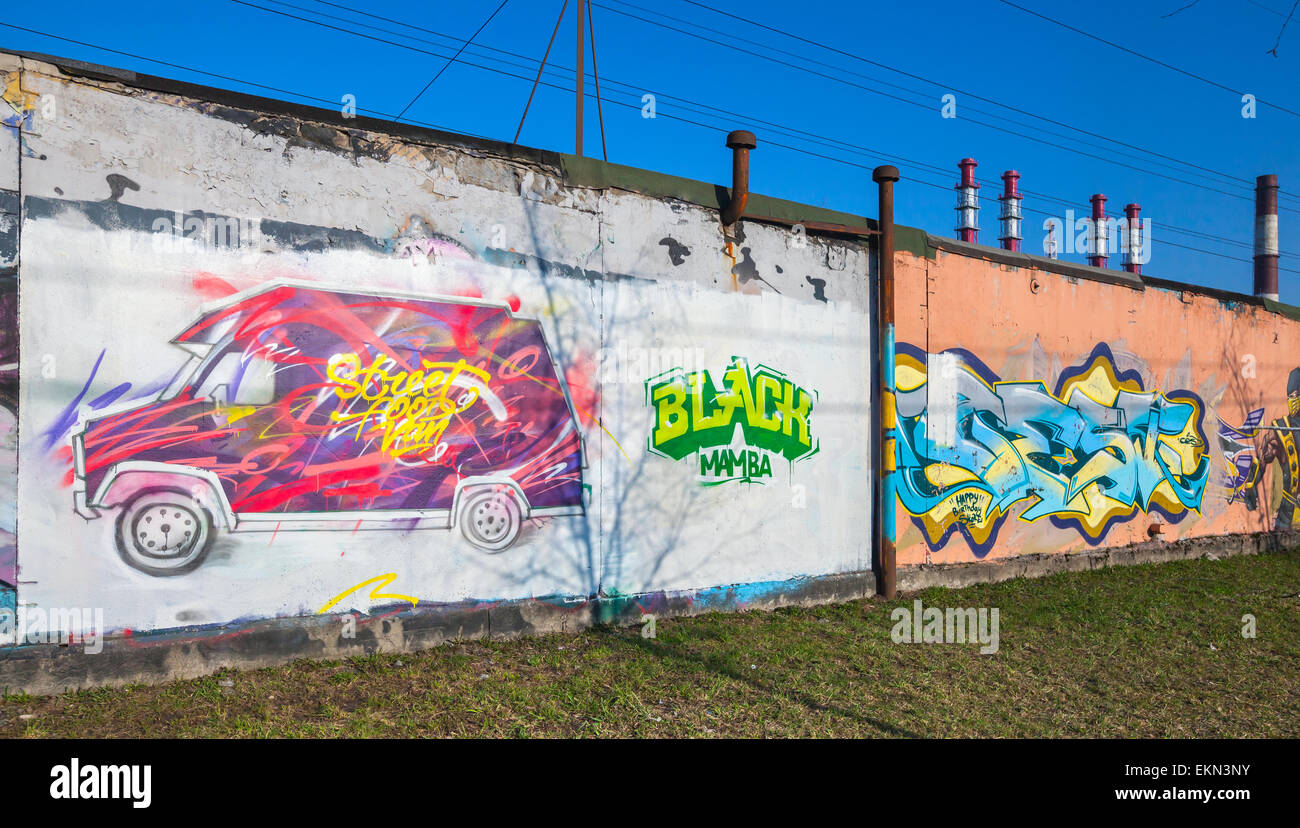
1143, 651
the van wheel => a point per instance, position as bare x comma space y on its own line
490, 519
164, 531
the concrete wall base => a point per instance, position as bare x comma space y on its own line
44, 669
915, 578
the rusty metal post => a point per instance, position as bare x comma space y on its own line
741, 142
582, 67
888, 584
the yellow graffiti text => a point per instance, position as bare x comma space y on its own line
410, 409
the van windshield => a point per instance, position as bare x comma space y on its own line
239, 379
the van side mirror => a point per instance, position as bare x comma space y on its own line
220, 394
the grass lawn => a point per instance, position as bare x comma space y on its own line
1149, 651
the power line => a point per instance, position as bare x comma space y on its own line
1147, 58
332, 103
595, 73
1181, 9
867, 89
1278, 42
1065, 201
816, 139
949, 87
634, 106
453, 60
1259, 5
541, 67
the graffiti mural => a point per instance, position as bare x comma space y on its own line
16, 103
1279, 445
1241, 473
309, 407
1094, 450
734, 426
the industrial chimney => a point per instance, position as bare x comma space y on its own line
1266, 252
1100, 241
1133, 238
1011, 215
968, 206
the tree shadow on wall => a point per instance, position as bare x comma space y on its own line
637, 518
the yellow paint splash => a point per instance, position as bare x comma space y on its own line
375, 594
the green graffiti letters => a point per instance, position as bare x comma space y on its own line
692, 414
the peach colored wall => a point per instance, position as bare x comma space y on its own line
1027, 325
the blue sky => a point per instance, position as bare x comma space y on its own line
981, 48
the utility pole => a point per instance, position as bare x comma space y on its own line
582, 62
885, 176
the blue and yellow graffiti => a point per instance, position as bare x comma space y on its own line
1093, 452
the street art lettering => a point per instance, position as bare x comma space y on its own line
311, 407
416, 240
427, 250
727, 465
734, 424
1094, 451
410, 409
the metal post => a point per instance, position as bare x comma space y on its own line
888, 565
582, 67
740, 142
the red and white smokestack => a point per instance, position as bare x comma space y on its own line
1099, 240
1011, 215
1266, 236
1133, 239
968, 202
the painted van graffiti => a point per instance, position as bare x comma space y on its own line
304, 407
1094, 451
735, 425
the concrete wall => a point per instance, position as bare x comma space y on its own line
1047, 412
161, 228
679, 419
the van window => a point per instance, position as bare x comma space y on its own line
247, 380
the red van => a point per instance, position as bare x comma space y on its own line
309, 408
